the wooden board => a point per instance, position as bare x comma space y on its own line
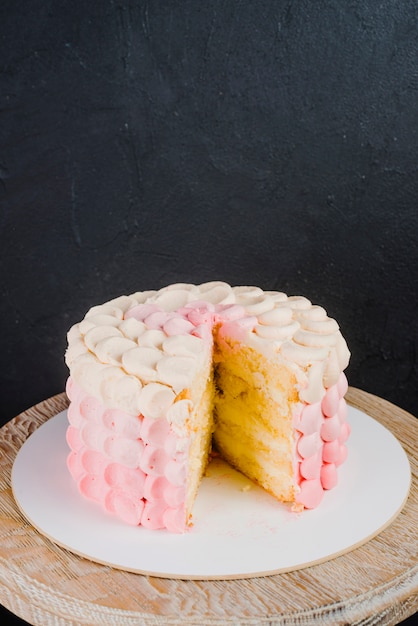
47, 585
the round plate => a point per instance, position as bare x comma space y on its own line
239, 531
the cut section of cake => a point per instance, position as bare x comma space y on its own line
254, 405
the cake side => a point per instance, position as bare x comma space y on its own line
321, 431
139, 468
140, 412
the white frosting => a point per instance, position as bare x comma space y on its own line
137, 353
142, 362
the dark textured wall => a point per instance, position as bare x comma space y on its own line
257, 142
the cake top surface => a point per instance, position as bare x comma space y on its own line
138, 352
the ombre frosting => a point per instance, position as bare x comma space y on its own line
130, 465
130, 360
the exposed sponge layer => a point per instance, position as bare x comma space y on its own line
254, 403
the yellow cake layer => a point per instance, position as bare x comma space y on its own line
253, 417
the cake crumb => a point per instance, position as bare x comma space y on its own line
297, 507
246, 487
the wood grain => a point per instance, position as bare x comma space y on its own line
45, 584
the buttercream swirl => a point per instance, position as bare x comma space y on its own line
137, 352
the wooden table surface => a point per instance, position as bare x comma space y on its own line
377, 583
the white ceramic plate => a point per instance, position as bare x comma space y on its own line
239, 530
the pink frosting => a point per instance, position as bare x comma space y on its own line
141, 311
321, 433
125, 507
173, 323
130, 465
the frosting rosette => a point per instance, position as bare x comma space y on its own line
162, 337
